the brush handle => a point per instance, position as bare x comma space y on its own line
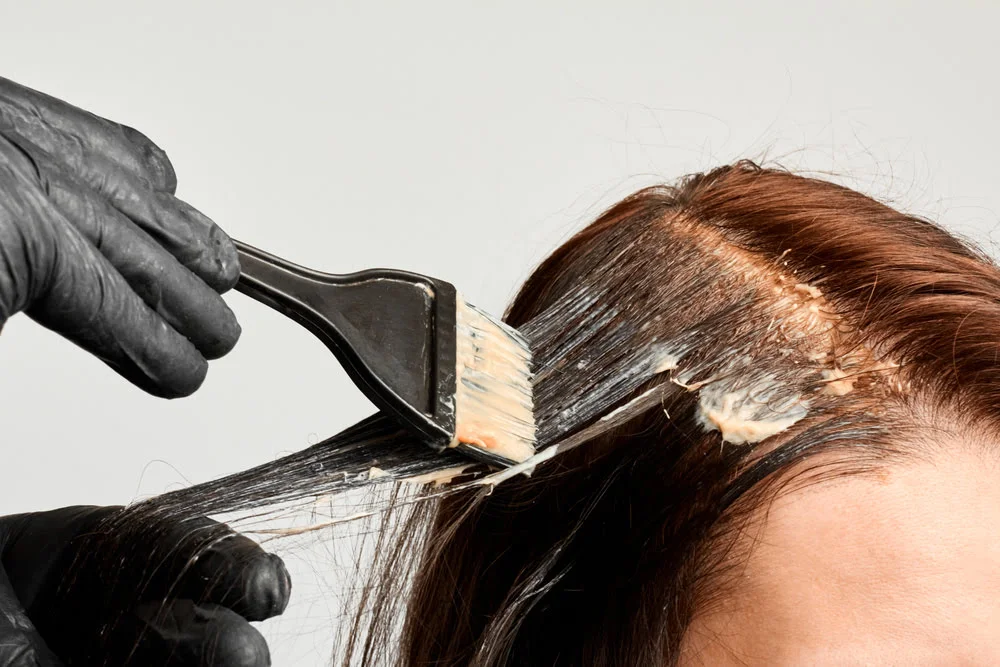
392, 331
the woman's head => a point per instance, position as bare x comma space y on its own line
823, 358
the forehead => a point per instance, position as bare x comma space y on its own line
903, 568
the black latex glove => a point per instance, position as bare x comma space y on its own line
94, 245
74, 591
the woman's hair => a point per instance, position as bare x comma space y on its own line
743, 330
795, 329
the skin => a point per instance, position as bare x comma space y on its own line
902, 568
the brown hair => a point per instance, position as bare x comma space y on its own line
794, 325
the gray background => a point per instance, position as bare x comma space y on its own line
459, 141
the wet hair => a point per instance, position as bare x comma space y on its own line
796, 329
701, 347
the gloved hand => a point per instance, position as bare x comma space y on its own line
75, 589
94, 245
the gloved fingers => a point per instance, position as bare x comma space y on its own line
158, 165
217, 565
17, 246
182, 633
111, 593
187, 234
20, 643
77, 136
182, 299
238, 574
126, 168
89, 302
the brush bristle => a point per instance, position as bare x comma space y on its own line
494, 409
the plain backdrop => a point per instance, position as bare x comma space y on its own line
459, 139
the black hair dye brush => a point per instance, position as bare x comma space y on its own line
450, 373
